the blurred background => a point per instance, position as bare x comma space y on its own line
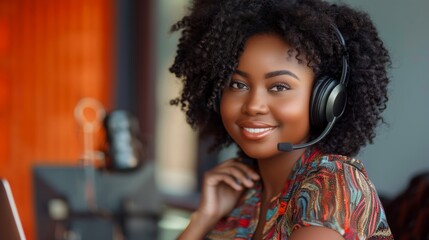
92, 148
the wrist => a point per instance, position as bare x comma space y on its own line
204, 220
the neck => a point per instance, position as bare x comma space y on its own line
275, 171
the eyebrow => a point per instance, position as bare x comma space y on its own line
270, 74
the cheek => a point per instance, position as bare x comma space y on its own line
229, 110
294, 116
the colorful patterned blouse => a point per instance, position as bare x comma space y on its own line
332, 191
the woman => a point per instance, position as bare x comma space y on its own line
299, 86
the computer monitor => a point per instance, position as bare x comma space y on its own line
120, 200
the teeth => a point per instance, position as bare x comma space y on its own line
257, 130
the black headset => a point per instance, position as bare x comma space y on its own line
329, 97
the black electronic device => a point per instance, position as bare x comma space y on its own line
125, 150
128, 204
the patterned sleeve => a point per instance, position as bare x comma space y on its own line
337, 196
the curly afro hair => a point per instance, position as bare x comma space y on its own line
213, 36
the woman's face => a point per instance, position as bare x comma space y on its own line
267, 100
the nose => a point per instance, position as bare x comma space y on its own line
255, 104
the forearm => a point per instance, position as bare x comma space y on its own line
198, 227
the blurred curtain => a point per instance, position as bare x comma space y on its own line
52, 54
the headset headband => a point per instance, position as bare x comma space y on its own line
344, 73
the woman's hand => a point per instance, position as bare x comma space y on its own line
223, 186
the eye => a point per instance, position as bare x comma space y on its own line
237, 85
279, 87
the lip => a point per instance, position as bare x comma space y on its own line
255, 130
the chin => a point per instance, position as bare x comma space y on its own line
261, 152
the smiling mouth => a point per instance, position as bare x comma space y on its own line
256, 133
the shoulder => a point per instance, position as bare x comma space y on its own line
332, 176
336, 193
337, 174
333, 164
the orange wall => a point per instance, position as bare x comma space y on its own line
52, 54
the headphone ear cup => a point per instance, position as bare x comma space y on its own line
318, 109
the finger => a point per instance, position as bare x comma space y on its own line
250, 173
240, 176
214, 179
